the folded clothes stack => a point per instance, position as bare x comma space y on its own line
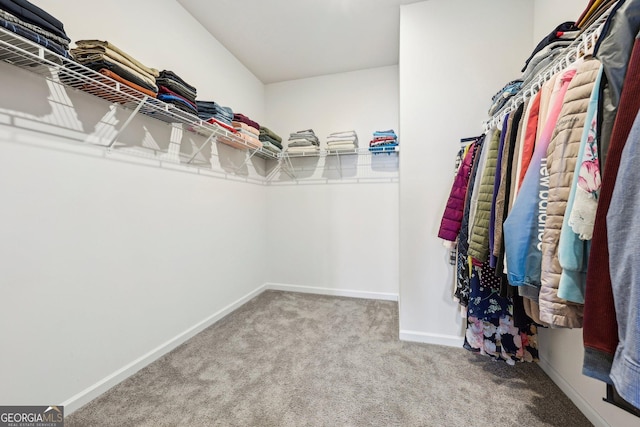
213, 112
173, 90
303, 142
270, 140
500, 99
108, 59
548, 49
34, 24
342, 141
237, 117
250, 134
383, 140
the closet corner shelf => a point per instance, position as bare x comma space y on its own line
339, 153
32, 57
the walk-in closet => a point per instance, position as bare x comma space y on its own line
282, 213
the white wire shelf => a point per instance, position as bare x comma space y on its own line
353, 152
30, 56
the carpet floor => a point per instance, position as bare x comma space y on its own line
289, 359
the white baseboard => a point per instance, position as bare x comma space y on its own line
426, 338
90, 393
573, 394
330, 291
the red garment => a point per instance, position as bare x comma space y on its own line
213, 121
529, 144
600, 324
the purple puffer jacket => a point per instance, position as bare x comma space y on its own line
452, 217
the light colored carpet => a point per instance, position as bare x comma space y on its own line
288, 359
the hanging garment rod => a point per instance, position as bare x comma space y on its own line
473, 138
580, 47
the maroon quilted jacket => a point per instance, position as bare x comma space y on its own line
452, 217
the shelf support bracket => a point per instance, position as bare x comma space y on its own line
128, 121
209, 140
290, 168
273, 172
339, 164
253, 152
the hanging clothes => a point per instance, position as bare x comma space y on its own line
452, 217
600, 323
562, 154
573, 248
624, 247
462, 289
523, 243
479, 231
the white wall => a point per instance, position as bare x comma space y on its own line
341, 237
105, 261
363, 101
561, 351
451, 64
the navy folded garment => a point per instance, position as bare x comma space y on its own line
178, 102
34, 15
34, 37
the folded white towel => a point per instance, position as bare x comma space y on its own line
305, 150
342, 147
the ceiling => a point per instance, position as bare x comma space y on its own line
281, 40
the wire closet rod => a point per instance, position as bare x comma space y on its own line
578, 48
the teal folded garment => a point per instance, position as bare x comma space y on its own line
271, 147
269, 139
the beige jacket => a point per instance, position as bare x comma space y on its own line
561, 162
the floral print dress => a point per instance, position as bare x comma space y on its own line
490, 323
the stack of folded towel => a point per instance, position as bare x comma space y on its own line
383, 140
34, 24
173, 90
109, 60
214, 112
247, 129
342, 141
303, 142
270, 140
